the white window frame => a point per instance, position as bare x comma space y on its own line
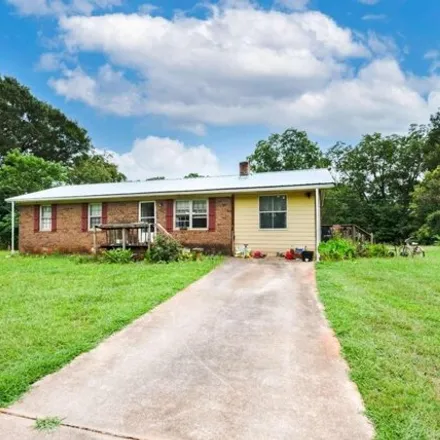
89, 217
42, 229
190, 228
285, 211
140, 209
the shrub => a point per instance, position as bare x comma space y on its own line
430, 231
337, 249
120, 256
377, 251
164, 250
424, 235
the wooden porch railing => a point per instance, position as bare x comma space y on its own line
128, 235
352, 232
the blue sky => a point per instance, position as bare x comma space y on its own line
172, 87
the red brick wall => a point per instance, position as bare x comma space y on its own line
219, 240
69, 237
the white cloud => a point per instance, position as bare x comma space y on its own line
109, 91
432, 54
293, 5
61, 7
374, 17
156, 156
434, 57
50, 62
381, 45
195, 128
148, 8
243, 65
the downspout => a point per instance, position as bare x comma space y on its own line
12, 227
318, 221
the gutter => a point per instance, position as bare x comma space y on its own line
174, 193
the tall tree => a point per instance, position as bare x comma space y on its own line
24, 173
94, 168
32, 126
342, 205
426, 206
380, 174
291, 150
432, 148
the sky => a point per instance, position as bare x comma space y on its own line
171, 87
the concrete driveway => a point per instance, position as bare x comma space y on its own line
243, 353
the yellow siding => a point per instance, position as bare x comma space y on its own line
300, 229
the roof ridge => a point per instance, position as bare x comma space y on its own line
166, 179
173, 179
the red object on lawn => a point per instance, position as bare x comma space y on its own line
289, 255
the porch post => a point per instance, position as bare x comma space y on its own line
318, 221
149, 236
12, 227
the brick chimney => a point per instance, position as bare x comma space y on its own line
244, 169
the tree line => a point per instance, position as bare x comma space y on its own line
389, 185
41, 147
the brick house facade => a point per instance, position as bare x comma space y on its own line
68, 234
267, 212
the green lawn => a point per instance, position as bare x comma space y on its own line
52, 309
386, 314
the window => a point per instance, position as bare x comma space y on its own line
191, 214
95, 214
148, 214
273, 212
46, 218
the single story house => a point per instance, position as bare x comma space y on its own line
270, 212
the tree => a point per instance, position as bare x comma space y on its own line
193, 176
24, 173
432, 148
291, 150
341, 205
34, 127
425, 205
95, 168
380, 174
156, 178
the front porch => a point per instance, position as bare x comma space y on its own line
135, 236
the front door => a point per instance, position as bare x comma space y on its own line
147, 214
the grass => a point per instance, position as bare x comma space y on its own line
47, 423
386, 314
52, 309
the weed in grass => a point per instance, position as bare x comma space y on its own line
47, 423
